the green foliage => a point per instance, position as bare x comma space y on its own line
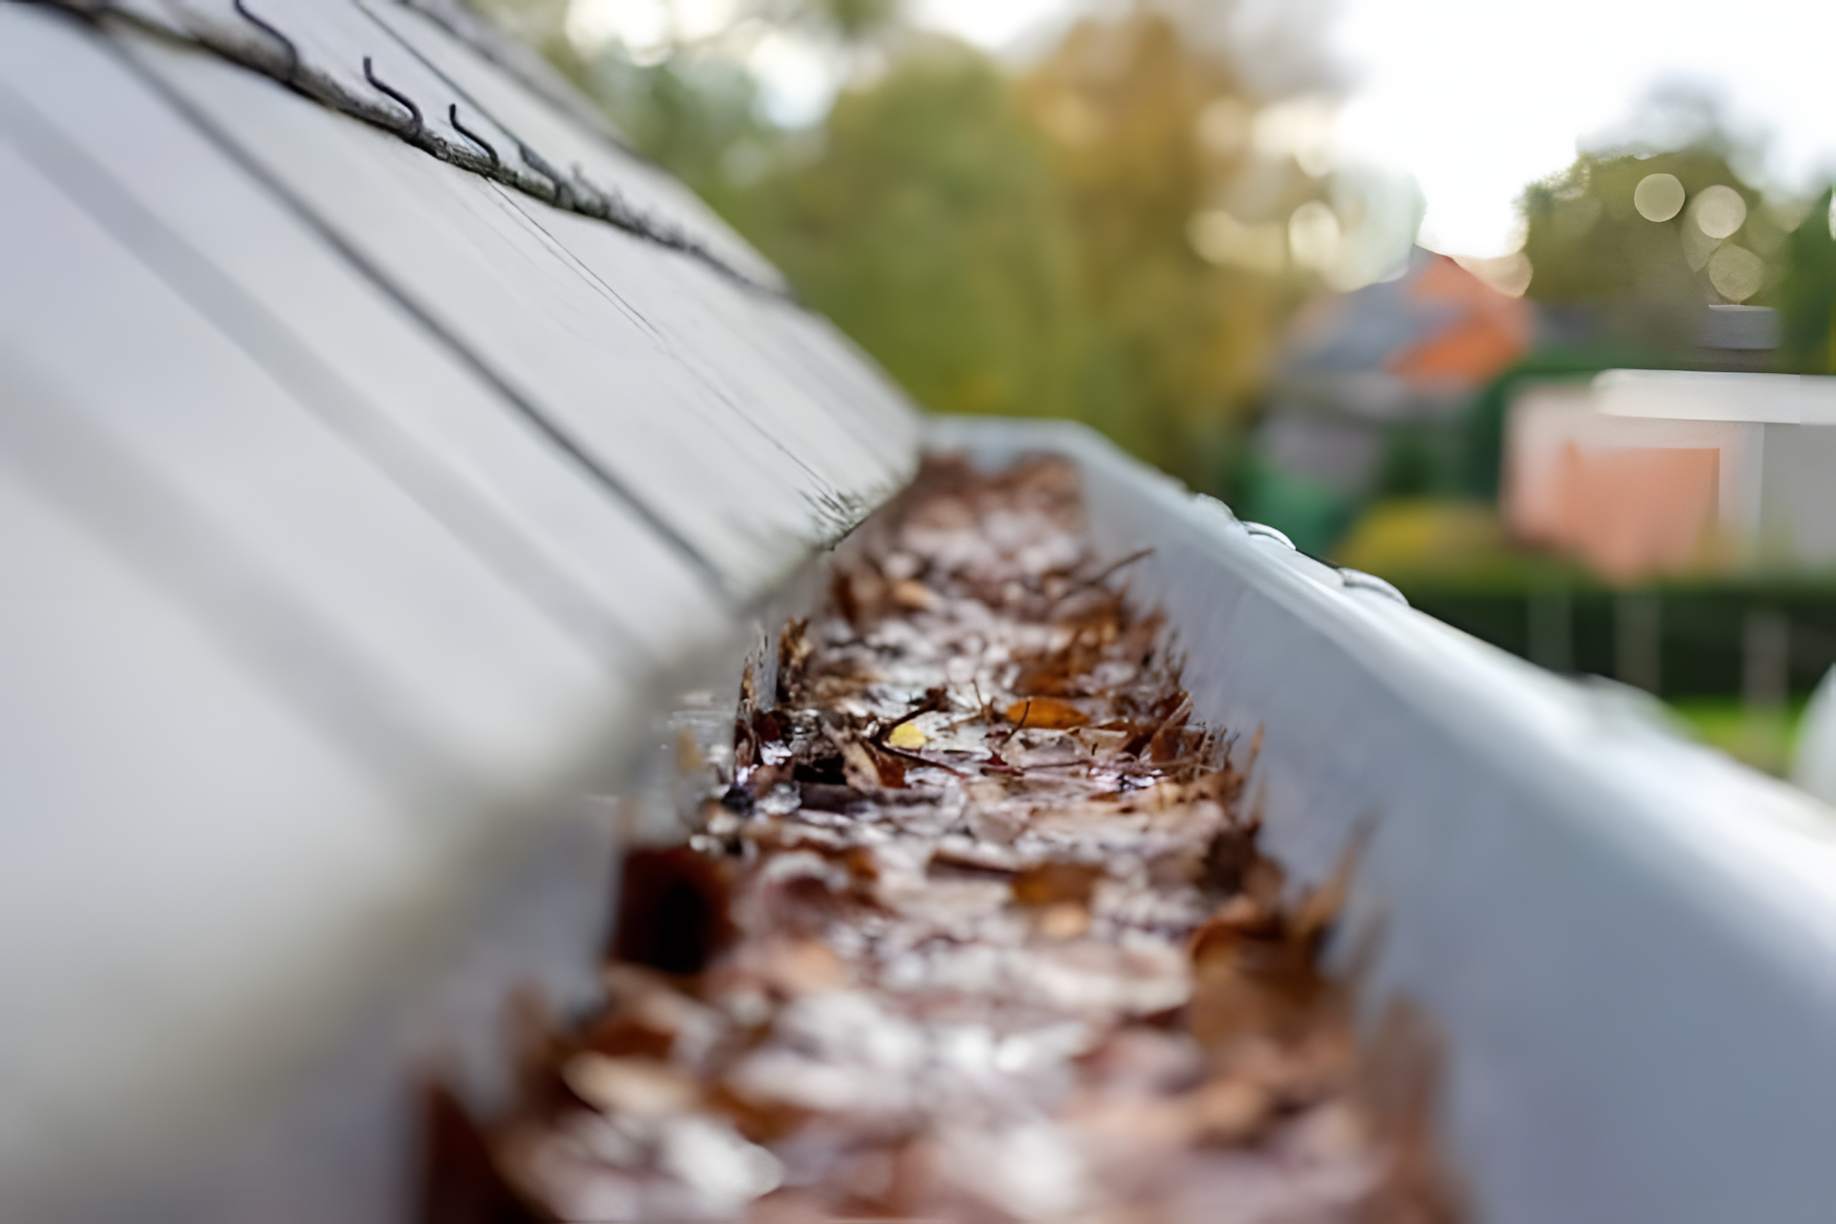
696, 117
1311, 513
540, 23
1588, 243
1757, 736
930, 227
1806, 295
1184, 344
923, 216
1000, 243
1646, 278
851, 20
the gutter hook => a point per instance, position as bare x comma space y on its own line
287, 45
452, 115
414, 112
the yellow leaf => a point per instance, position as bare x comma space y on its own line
907, 736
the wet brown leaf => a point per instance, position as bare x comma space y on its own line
984, 932
1055, 883
1046, 714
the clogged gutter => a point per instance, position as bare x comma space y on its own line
980, 931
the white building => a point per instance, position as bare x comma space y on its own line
1648, 472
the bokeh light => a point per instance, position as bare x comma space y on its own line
1736, 272
1658, 197
1222, 239
1718, 211
1314, 235
1224, 125
1697, 246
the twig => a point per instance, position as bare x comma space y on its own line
916, 757
1129, 560
981, 702
932, 700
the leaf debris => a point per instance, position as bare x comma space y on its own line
987, 936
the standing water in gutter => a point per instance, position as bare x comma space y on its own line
979, 932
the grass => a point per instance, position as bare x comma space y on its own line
1762, 738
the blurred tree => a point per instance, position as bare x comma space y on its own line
1151, 132
852, 21
696, 116
1588, 243
931, 229
1806, 295
1651, 229
541, 24
1103, 237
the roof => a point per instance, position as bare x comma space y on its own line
1433, 332
378, 436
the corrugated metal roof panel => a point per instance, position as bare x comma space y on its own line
566, 143
274, 497
321, 46
728, 481
174, 824
354, 498
338, 342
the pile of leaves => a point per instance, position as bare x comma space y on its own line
979, 932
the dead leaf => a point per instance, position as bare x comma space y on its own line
1046, 714
912, 595
908, 736
1231, 1111
1055, 882
630, 1085
1065, 920
895, 925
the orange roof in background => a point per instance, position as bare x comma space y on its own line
1488, 334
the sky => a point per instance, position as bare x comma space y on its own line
1476, 98
1473, 98
995, 24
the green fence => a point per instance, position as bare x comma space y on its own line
1761, 641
